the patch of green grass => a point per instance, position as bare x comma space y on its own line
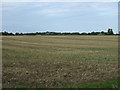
106, 84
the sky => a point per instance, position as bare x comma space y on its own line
59, 16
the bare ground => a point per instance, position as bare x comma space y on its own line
55, 74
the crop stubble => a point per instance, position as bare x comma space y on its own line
53, 61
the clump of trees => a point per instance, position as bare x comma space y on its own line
6, 33
109, 32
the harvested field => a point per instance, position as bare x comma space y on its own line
55, 61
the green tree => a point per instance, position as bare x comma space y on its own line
110, 32
17, 33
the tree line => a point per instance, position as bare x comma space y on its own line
109, 32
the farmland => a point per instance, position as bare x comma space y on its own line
57, 61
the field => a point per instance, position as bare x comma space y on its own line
59, 61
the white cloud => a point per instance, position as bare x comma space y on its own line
47, 11
103, 8
8, 6
54, 12
60, 9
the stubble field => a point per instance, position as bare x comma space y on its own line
58, 61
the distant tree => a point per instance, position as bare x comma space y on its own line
0, 33
5, 33
37, 33
16, 33
11, 33
83, 33
102, 32
93, 33
21, 34
66, 33
75, 33
89, 34
110, 32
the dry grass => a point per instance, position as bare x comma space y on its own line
53, 61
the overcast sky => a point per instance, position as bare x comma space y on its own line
60, 16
